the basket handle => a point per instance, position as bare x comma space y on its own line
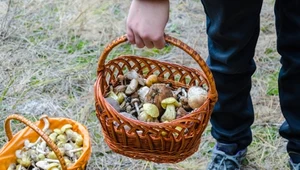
175, 42
37, 130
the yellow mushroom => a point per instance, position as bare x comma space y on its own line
65, 127
151, 80
169, 104
149, 112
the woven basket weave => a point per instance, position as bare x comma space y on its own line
154, 142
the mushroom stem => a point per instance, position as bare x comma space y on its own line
135, 101
20, 167
40, 151
137, 107
18, 153
51, 160
121, 79
170, 113
46, 122
27, 144
75, 150
184, 93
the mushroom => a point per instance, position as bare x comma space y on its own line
179, 129
121, 97
47, 164
70, 149
142, 92
169, 104
114, 103
20, 167
33, 154
71, 135
196, 96
120, 88
112, 94
66, 127
132, 87
53, 136
135, 103
128, 115
184, 103
148, 113
25, 160
43, 118
51, 155
79, 140
121, 79
74, 137
128, 108
132, 74
58, 131
151, 80
53, 166
42, 164
157, 93
62, 138
176, 93
12, 166
181, 112
68, 161
41, 156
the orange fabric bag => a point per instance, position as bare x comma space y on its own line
33, 131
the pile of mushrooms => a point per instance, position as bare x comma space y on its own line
38, 156
147, 99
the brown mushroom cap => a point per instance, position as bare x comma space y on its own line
157, 93
181, 112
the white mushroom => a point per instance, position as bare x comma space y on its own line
12, 166
196, 96
42, 164
132, 87
142, 92
27, 143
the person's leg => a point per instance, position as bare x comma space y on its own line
233, 29
288, 45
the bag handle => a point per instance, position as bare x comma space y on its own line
37, 130
175, 42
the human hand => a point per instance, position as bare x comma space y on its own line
146, 23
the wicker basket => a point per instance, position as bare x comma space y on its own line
33, 131
155, 141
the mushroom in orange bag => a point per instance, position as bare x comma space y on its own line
38, 155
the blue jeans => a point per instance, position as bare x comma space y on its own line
233, 28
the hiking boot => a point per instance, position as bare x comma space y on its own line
294, 166
228, 160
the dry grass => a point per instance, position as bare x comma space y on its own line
49, 52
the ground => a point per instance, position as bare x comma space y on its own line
49, 52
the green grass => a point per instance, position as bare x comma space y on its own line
273, 84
